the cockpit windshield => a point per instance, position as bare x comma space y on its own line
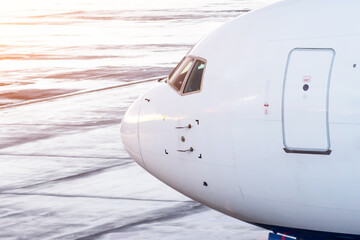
176, 68
181, 72
194, 81
187, 76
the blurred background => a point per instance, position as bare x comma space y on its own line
69, 70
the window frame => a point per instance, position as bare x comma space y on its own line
181, 90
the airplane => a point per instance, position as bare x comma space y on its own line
261, 121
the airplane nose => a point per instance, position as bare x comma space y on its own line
130, 132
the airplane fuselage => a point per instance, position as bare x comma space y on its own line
275, 127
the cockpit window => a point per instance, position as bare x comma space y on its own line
181, 72
187, 76
176, 68
194, 81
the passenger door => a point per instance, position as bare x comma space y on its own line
305, 102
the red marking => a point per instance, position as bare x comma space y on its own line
266, 105
307, 79
283, 237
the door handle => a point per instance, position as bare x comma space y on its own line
187, 150
188, 126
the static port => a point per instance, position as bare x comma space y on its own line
306, 87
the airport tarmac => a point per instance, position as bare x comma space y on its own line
65, 175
